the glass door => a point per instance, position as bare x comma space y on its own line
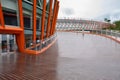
4, 43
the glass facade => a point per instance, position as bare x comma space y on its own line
38, 28
40, 3
28, 23
53, 5
10, 12
28, 20
47, 5
7, 43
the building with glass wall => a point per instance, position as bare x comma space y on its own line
27, 25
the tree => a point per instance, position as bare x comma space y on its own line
106, 20
117, 23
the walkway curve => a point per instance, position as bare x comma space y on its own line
88, 44
74, 56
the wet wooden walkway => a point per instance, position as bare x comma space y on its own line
74, 56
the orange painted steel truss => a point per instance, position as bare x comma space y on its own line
19, 31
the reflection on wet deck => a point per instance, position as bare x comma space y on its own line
74, 56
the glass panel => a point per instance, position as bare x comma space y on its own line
47, 5
28, 32
10, 12
50, 25
47, 1
38, 31
40, 3
53, 4
0, 43
12, 43
38, 27
28, 40
7, 43
27, 21
45, 27
4, 43
29, 0
38, 24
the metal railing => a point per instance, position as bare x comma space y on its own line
111, 33
44, 43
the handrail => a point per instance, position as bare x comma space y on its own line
108, 33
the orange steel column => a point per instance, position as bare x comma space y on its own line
49, 18
43, 20
20, 37
34, 21
1, 16
20, 14
53, 17
56, 15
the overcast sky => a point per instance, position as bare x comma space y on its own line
89, 9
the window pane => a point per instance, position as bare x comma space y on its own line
38, 27
10, 12
47, 5
28, 32
53, 4
27, 21
45, 27
40, 3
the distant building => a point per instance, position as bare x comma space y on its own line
79, 24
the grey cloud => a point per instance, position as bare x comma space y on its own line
68, 11
113, 16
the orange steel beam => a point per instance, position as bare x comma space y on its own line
20, 14
34, 21
10, 30
20, 37
1, 16
55, 19
49, 18
43, 20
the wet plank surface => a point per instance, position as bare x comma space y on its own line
73, 57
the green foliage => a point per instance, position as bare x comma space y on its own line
117, 23
106, 20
